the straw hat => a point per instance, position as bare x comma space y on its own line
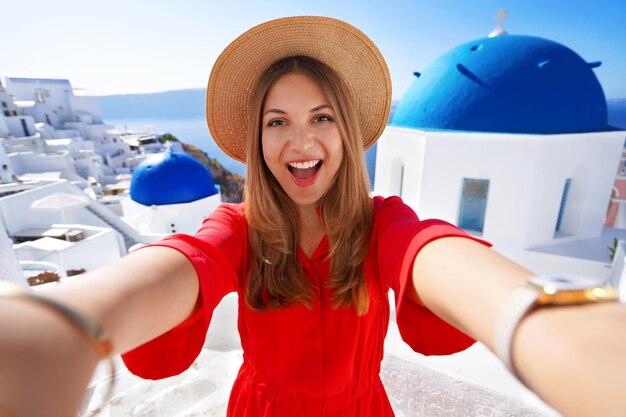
333, 42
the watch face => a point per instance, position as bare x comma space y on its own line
565, 283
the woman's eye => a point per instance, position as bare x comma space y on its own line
323, 118
275, 122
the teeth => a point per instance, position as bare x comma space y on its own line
304, 165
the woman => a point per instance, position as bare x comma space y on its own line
312, 258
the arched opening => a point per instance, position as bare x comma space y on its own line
397, 177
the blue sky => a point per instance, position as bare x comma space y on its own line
136, 46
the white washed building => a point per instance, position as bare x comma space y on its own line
170, 192
507, 137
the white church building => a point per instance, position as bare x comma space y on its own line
507, 138
170, 192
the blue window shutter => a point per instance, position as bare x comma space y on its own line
473, 204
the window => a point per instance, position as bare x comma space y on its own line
568, 182
25, 127
4, 104
473, 204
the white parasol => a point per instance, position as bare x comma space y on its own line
60, 201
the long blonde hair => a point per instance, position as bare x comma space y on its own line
275, 277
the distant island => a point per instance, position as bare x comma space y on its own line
190, 103
617, 112
176, 104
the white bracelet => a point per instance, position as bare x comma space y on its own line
515, 308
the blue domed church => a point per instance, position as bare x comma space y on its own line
171, 178
506, 84
507, 137
170, 192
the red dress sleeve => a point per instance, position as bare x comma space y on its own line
400, 236
218, 253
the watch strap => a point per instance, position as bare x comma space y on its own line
515, 308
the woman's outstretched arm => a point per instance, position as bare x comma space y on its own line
134, 300
573, 357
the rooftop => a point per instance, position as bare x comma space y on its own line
595, 249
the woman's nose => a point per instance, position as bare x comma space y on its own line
301, 140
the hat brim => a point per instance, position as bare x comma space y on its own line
333, 42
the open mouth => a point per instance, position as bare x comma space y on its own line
306, 170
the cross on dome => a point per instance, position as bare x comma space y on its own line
499, 30
501, 16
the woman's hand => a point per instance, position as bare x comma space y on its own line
573, 357
46, 362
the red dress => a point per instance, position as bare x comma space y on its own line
299, 361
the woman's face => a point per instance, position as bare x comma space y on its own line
301, 142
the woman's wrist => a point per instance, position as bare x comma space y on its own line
574, 346
543, 291
91, 330
42, 353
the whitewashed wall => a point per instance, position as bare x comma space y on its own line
28, 162
98, 130
15, 127
5, 174
39, 111
186, 217
16, 213
400, 164
65, 133
4, 128
9, 267
55, 92
87, 104
526, 176
542, 263
24, 144
90, 165
98, 249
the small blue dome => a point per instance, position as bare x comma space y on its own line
513, 84
171, 178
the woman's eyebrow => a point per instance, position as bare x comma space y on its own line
279, 111
314, 109
320, 107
